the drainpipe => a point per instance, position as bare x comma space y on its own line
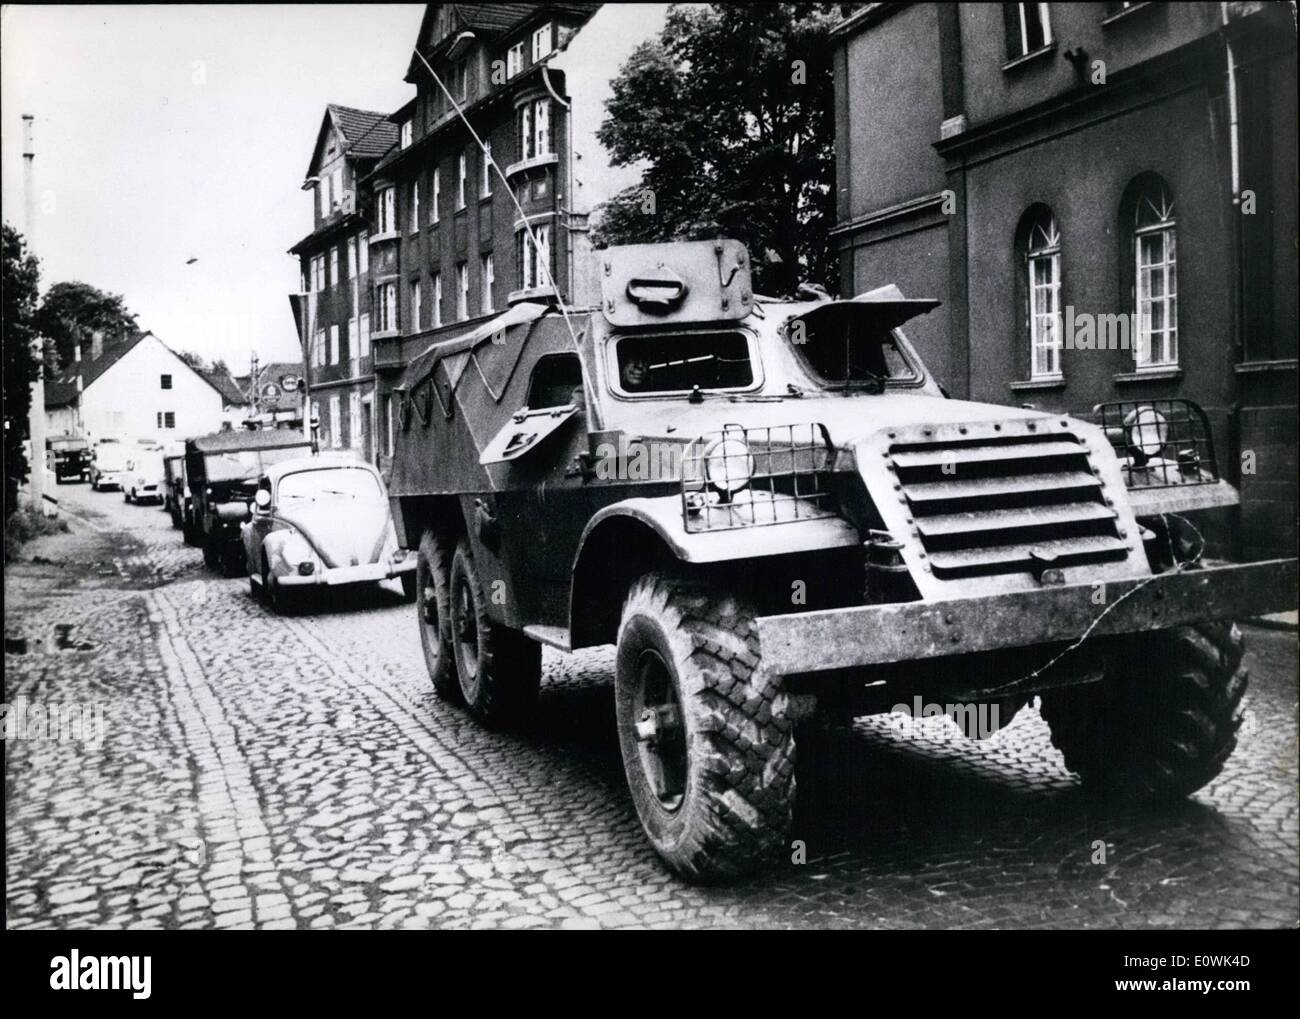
561, 199
1235, 436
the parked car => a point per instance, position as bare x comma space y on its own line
175, 492
69, 458
142, 480
773, 511
321, 521
223, 470
109, 455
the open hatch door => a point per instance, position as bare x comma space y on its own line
524, 432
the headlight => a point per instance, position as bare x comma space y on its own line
1147, 430
728, 465
295, 550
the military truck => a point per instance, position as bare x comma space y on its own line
774, 512
222, 470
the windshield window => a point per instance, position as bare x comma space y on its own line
679, 363
853, 355
329, 483
246, 464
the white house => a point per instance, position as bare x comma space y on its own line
138, 388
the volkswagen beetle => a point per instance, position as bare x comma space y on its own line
321, 521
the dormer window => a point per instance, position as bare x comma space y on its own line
514, 59
543, 42
407, 134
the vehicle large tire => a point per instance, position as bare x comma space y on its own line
211, 553
1162, 721
234, 562
499, 670
707, 740
433, 613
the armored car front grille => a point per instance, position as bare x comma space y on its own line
994, 506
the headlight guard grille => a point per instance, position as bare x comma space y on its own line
787, 468
1186, 456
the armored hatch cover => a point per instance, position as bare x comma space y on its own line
678, 281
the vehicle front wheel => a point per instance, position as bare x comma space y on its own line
706, 737
284, 601
1162, 721
499, 669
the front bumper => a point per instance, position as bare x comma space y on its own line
866, 635
337, 575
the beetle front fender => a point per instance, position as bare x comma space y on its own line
663, 515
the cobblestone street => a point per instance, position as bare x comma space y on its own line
300, 773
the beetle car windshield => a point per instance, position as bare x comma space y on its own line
329, 483
678, 363
853, 354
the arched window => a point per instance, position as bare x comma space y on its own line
1039, 243
1149, 215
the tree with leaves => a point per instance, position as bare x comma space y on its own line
73, 312
20, 283
732, 111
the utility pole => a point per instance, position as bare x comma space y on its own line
36, 415
254, 384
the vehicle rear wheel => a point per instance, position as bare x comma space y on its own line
433, 611
706, 738
499, 669
1163, 720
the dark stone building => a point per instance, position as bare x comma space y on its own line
449, 248
334, 260
1073, 176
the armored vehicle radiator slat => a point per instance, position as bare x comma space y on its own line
994, 507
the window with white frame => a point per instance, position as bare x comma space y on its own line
535, 128
323, 196
462, 290
304, 282
437, 195
363, 336
1029, 28
334, 344
353, 343
415, 206
386, 307
415, 306
386, 210
336, 188
543, 41
352, 258
514, 59
336, 430
437, 299
334, 265
462, 177
1156, 289
318, 273
1043, 264
354, 420
485, 188
534, 260
489, 278
318, 349
363, 252
408, 131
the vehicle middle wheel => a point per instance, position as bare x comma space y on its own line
706, 737
499, 669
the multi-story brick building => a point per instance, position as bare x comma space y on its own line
1032, 163
449, 247
334, 261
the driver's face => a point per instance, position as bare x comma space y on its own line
634, 373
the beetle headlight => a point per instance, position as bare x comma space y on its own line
1146, 430
728, 465
295, 551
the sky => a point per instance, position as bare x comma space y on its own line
168, 133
